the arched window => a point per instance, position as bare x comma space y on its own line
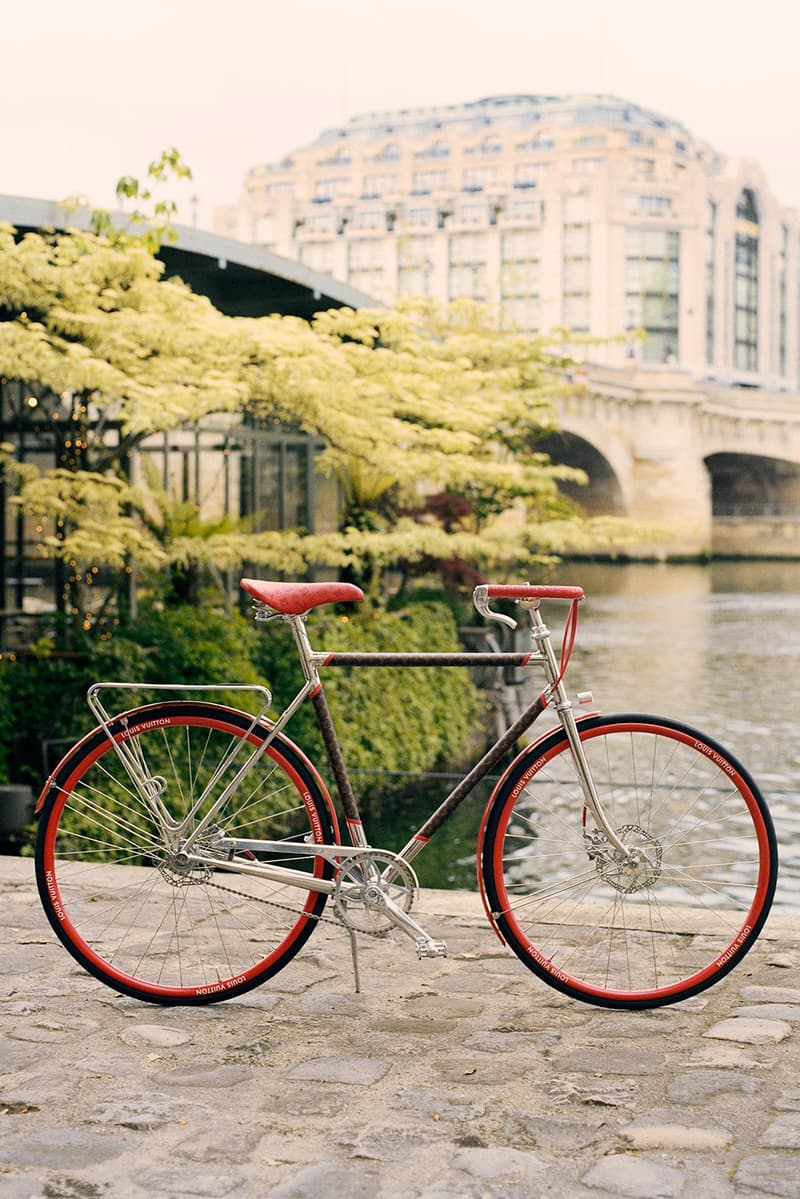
437, 149
746, 209
745, 300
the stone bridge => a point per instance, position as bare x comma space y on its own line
719, 465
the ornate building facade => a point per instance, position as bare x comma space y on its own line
584, 211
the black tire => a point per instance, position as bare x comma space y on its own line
126, 908
619, 936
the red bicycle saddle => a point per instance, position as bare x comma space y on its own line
295, 598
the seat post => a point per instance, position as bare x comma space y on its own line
308, 659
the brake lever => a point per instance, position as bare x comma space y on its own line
480, 598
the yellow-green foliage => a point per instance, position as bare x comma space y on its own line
398, 397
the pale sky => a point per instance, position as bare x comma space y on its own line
95, 89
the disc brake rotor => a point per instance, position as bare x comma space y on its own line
639, 870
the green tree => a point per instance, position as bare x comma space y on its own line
407, 402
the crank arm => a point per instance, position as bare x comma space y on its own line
426, 946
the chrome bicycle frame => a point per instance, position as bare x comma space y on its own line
220, 851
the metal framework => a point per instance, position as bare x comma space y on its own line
246, 468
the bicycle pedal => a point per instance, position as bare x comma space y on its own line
428, 948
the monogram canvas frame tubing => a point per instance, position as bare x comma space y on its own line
313, 661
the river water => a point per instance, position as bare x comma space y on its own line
717, 646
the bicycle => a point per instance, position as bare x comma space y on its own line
629, 861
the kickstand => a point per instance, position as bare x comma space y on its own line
354, 950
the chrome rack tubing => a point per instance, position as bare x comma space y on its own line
131, 757
560, 702
243, 770
131, 753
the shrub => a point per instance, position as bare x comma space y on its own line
388, 719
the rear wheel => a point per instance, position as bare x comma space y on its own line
674, 917
122, 899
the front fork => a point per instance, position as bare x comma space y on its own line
562, 705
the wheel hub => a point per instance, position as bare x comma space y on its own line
181, 873
634, 871
178, 868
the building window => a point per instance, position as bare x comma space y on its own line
526, 210
389, 153
467, 248
520, 280
782, 256
366, 265
438, 149
428, 181
539, 142
326, 189
526, 174
489, 145
414, 266
649, 205
370, 218
652, 288
341, 158
710, 271
745, 312
376, 185
478, 177
521, 314
576, 265
520, 245
322, 223
274, 481
467, 275
471, 214
280, 484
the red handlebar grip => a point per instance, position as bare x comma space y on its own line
522, 591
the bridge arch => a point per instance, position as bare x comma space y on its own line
602, 495
745, 484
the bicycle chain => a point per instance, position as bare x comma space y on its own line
272, 903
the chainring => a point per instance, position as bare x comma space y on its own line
360, 887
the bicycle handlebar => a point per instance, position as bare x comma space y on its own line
521, 591
527, 591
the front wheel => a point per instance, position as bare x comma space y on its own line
669, 920
119, 894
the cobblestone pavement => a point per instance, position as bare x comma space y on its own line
447, 1079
